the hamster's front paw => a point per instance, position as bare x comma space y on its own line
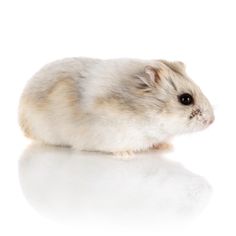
162, 146
124, 155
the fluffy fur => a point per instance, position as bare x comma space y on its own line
114, 105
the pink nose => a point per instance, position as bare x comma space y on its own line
208, 122
211, 121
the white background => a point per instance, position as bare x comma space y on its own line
200, 33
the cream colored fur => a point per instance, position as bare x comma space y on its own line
110, 105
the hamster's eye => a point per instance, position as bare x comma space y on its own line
186, 99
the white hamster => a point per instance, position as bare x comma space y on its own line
115, 106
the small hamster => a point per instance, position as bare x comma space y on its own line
114, 105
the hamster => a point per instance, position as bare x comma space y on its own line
114, 106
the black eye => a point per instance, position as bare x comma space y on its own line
186, 99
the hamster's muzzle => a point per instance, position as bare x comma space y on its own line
208, 121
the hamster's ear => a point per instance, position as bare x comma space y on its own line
180, 65
176, 66
151, 76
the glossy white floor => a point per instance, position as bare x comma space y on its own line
56, 191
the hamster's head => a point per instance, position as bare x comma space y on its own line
175, 100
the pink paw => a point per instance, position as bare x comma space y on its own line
124, 155
162, 146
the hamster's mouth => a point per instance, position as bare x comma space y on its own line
204, 120
202, 124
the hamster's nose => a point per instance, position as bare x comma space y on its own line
211, 120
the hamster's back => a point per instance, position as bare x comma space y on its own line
70, 68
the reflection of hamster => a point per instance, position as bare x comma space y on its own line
118, 105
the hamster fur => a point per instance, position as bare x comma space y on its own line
116, 105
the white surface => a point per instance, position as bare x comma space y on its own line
59, 182
48, 191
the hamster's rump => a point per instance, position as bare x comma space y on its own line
110, 105
52, 98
